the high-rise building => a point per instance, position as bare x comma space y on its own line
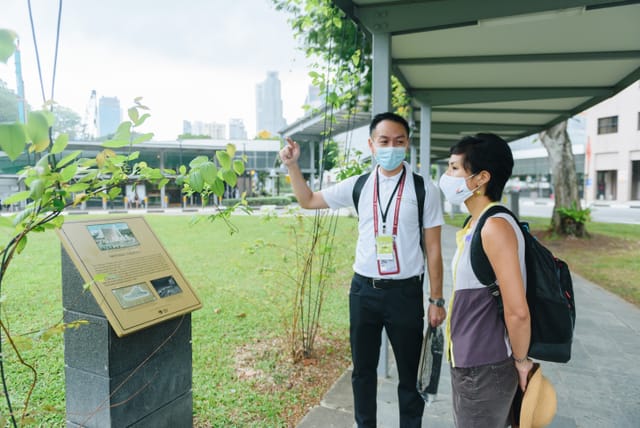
237, 131
198, 128
186, 127
217, 131
269, 105
213, 130
109, 115
314, 98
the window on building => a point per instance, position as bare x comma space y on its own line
608, 125
639, 121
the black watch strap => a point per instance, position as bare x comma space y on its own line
437, 302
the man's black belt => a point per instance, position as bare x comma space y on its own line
385, 284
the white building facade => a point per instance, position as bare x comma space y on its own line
216, 131
237, 130
612, 158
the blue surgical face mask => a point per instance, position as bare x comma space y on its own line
390, 158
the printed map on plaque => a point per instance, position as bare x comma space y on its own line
132, 277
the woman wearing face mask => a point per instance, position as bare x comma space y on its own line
488, 356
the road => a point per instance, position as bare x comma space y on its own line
600, 212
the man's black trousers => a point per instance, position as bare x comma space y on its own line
400, 311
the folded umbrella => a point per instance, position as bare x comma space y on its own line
430, 363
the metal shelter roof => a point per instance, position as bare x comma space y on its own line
509, 67
313, 125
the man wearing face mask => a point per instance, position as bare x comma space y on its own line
389, 267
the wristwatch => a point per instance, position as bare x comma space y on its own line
438, 302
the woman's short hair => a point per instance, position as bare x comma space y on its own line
486, 152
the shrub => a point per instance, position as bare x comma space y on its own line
260, 200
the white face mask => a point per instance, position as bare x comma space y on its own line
455, 188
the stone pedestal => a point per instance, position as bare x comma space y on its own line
139, 380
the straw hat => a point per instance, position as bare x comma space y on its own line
539, 403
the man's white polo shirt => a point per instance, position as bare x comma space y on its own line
410, 257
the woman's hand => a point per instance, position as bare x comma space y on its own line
523, 372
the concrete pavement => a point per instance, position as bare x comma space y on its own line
598, 388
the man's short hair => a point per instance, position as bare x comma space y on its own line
389, 116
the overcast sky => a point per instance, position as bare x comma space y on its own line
193, 60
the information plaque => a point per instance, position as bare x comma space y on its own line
131, 276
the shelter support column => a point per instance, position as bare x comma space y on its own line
381, 73
425, 140
413, 157
163, 202
381, 97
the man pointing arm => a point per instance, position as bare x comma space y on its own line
306, 197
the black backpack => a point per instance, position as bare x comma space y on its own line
549, 292
418, 184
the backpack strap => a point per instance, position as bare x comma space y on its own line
479, 260
357, 188
418, 184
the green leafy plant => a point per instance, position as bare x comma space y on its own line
341, 69
339, 50
574, 219
247, 308
259, 201
314, 261
60, 178
576, 214
311, 255
352, 165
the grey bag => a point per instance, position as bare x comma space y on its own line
430, 363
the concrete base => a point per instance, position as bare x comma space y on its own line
140, 380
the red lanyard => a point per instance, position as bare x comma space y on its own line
376, 194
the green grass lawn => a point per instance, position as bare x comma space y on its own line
246, 298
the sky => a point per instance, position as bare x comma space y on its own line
189, 60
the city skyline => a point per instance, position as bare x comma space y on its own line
109, 115
215, 130
203, 61
269, 105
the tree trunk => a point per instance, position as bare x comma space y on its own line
563, 179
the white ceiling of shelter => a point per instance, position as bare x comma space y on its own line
509, 67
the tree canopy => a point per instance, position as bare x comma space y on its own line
67, 122
339, 49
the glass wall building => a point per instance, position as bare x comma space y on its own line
261, 157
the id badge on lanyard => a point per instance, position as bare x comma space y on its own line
387, 255
386, 249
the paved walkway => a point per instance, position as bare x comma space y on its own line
599, 387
